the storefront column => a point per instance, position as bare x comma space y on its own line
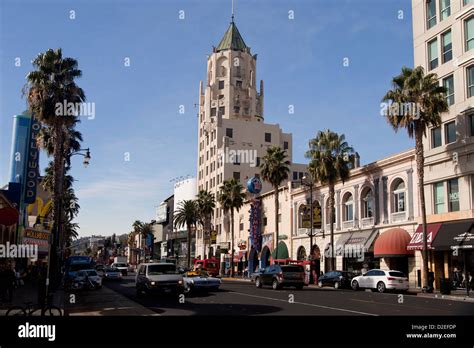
446, 264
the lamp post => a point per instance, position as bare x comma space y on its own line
307, 182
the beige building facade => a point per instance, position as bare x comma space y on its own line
443, 34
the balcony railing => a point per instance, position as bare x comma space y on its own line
400, 216
366, 222
347, 224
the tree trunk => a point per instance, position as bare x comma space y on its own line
57, 204
420, 163
232, 243
331, 221
188, 254
277, 229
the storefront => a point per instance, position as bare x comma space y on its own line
391, 248
357, 250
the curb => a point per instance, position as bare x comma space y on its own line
447, 297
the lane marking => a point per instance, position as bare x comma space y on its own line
308, 304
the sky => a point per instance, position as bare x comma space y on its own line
140, 141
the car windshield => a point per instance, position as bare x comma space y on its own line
120, 265
397, 274
109, 270
91, 273
292, 268
162, 269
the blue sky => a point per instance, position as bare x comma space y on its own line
137, 107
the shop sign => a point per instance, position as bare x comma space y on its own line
256, 225
37, 237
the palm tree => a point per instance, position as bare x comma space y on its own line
330, 161
52, 83
205, 207
231, 197
186, 215
426, 101
146, 230
274, 170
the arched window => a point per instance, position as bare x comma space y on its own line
301, 254
367, 203
399, 196
348, 207
304, 216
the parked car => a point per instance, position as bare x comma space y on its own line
280, 276
158, 277
123, 267
90, 278
337, 279
379, 280
112, 274
200, 280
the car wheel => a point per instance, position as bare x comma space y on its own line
320, 284
258, 283
275, 284
355, 285
336, 285
381, 287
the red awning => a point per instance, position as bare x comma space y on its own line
392, 243
416, 242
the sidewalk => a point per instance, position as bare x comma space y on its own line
102, 302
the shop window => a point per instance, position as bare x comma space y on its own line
438, 191
453, 194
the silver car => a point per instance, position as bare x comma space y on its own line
158, 277
200, 280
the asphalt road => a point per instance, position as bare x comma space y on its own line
243, 298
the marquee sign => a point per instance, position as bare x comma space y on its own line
256, 225
31, 175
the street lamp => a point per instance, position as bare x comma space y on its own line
87, 156
309, 182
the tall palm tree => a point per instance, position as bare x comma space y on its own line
186, 215
52, 83
428, 101
330, 161
205, 207
231, 197
274, 170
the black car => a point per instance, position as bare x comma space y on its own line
337, 279
280, 276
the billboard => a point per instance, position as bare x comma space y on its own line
162, 213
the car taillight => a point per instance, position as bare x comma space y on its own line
391, 278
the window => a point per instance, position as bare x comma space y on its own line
450, 132
348, 208
265, 221
436, 137
470, 81
295, 176
447, 47
237, 160
438, 191
433, 54
453, 192
237, 175
430, 13
236, 109
221, 96
258, 161
285, 145
367, 204
241, 226
268, 137
472, 125
444, 9
221, 84
222, 110
448, 83
466, 2
469, 33
238, 84
229, 132
399, 197
213, 111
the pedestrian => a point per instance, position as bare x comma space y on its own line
468, 282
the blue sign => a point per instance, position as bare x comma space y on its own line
256, 225
254, 185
